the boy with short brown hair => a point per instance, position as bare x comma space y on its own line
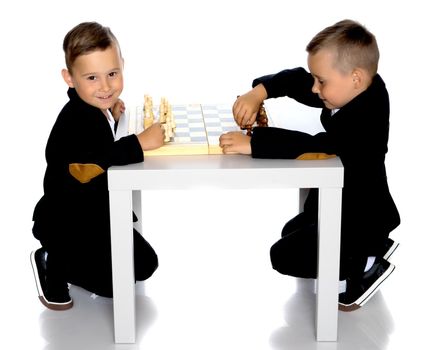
72, 220
343, 81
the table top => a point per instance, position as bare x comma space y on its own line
225, 171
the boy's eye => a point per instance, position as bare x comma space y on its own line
113, 74
91, 77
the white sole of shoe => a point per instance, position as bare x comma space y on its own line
363, 299
49, 304
36, 274
374, 287
391, 250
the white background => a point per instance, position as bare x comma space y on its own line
209, 52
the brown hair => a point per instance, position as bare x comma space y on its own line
353, 44
87, 37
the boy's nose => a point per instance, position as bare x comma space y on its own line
105, 86
315, 88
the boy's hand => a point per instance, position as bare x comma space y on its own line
152, 137
235, 142
246, 107
118, 109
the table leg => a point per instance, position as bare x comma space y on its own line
123, 266
329, 228
303, 193
137, 208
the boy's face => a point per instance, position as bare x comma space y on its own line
333, 87
97, 77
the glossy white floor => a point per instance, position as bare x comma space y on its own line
215, 288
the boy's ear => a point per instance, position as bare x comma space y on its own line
67, 77
359, 77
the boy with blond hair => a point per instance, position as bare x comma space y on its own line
343, 81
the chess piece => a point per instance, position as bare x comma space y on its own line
166, 119
163, 110
261, 120
148, 112
262, 117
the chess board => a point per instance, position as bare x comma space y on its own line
218, 120
198, 128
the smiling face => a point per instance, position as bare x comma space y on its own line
97, 77
334, 87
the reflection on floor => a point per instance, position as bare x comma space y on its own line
215, 289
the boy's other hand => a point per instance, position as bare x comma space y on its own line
152, 137
246, 107
235, 142
118, 109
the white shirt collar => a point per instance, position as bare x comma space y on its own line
111, 122
334, 111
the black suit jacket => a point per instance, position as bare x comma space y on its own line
79, 151
358, 134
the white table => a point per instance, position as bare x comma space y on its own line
229, 172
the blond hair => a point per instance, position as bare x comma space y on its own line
353, 45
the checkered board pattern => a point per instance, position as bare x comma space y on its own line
198, 128
218, 120
189, 124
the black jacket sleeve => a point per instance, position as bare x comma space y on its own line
294, 83
81, 146
287, 144
281, 143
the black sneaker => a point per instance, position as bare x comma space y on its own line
390, 247
361, 290
57, 296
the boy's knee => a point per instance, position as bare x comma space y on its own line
146, 267
276, 257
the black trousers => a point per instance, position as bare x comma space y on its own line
295, 254
84, 259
